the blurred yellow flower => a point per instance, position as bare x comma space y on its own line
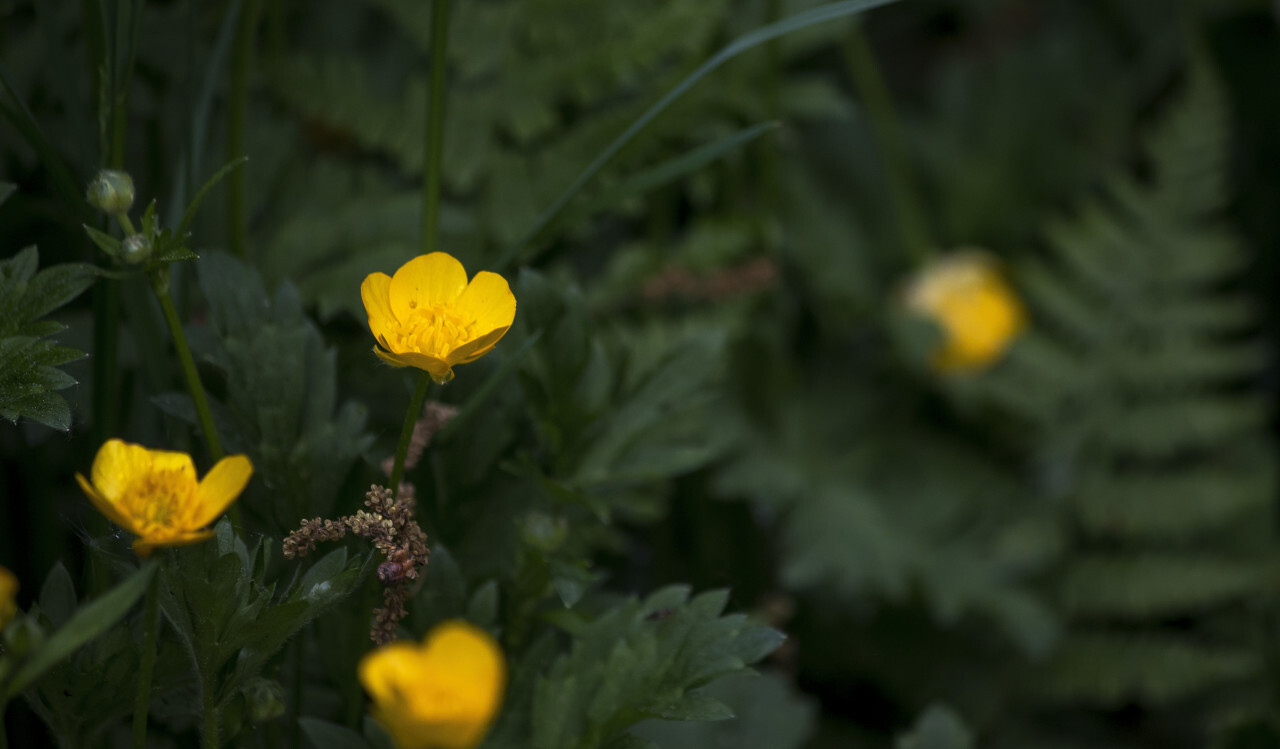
154, 494
8, 597
442, 694
428, 316
979, 313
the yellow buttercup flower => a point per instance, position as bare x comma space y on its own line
154, 494
979, 313
428, 316
442, 694
8, 597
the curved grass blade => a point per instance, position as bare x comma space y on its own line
655, 177
743, 43
191, 209
87, 623
190, 163
24, 121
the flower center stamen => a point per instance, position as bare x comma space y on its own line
435, 330
159, 501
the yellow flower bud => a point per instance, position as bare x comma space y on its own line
979, 313
442, 694
154, 494
111, 191
428, 316
8, 597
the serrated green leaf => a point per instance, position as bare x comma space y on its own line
53, 287
695, 706
47, 408
635, 660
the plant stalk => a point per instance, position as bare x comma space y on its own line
435, 127
887, 130
160, 284
147, 664
406, 432
237, 117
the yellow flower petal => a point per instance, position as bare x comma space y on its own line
166, 461
978, 312
101, 504
394, 665
440, 695
425, 282
477, 348
220, 487
154, 493
437, 368
487, 300
375, 292
115, 466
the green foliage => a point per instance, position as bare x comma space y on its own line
768, 714
64, 674
540, 92
29, 374
1139, 379
938, 728
617, 414
281, 392
638, 660
858, 522
232, 616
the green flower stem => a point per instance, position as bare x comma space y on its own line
870, 83
126, 224
160, 283
406, 432
237, 117
435, 127
147, 664
106, 333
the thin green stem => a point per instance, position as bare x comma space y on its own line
150, 623
128, 22
160, 283
435, 126
106, 333
126, 224
870, 83
237, 118
406, 432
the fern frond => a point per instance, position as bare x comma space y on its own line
1161, 431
